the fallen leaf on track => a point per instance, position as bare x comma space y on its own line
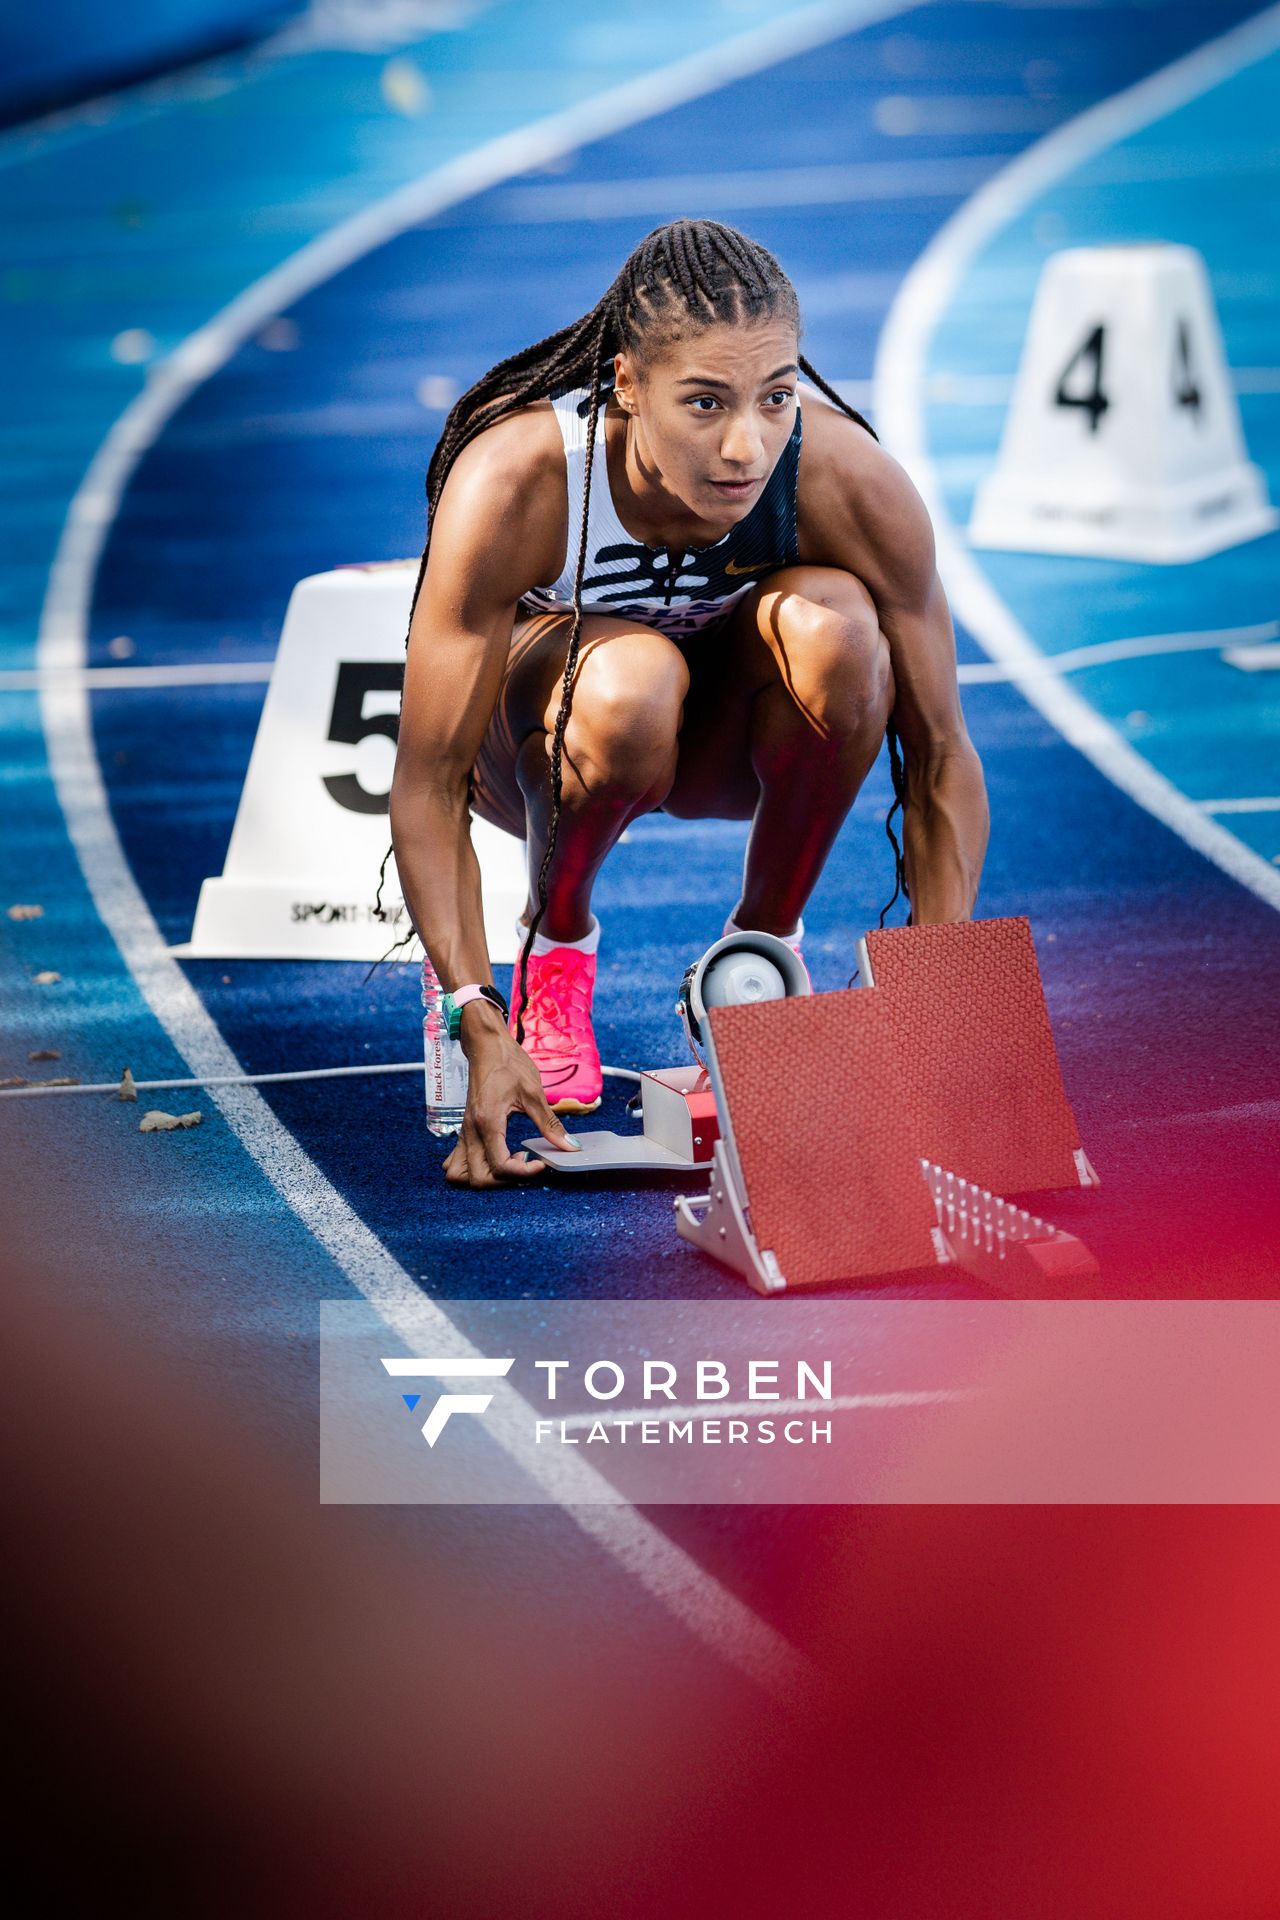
158, 1122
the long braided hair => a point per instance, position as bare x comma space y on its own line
690, 272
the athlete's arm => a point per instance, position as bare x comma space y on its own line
489, 544
872, 515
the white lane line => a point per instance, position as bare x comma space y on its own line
746, 188
1253, 659
666, 1572
900, 383
1266, 803
859, 393
767, 1409
1268, 1110
1234, 643
935, 114
996, 389
215, 673
1141, 647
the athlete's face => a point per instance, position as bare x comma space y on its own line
714, 411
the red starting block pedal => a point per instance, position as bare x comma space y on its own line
969, 1015
817, 1140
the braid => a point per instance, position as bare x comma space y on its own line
743, 257
898, 777
547, 366
810, 372
566, 692
693, 286
896, 772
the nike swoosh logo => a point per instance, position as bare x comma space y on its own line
731, 566
556, 1076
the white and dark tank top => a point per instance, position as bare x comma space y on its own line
676, 589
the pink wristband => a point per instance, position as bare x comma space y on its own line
461, 995
454, 1003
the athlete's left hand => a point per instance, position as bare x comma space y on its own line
503, 1080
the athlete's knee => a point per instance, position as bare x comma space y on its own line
628, 701
832, 654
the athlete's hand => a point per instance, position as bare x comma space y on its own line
503, 1080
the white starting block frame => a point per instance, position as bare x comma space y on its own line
679, 1130
312, 826
1000, 1244
1123, 439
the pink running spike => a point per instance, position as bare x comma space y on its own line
557, 1027
795, 948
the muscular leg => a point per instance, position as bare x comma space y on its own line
785, 729
783, 716
619, 754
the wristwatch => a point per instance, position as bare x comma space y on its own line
454, 1003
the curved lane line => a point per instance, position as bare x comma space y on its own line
1104, 653
667, 1573
899, 380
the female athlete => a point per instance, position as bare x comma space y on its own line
650, 584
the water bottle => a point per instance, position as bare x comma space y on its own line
444, 1061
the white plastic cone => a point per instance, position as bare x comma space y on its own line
312, 825
1123, 438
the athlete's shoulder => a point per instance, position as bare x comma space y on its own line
503, 502
857, 506
516, 453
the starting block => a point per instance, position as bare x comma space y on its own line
818, 1175
865, 1133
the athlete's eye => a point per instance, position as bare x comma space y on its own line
782, 395
699, 398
